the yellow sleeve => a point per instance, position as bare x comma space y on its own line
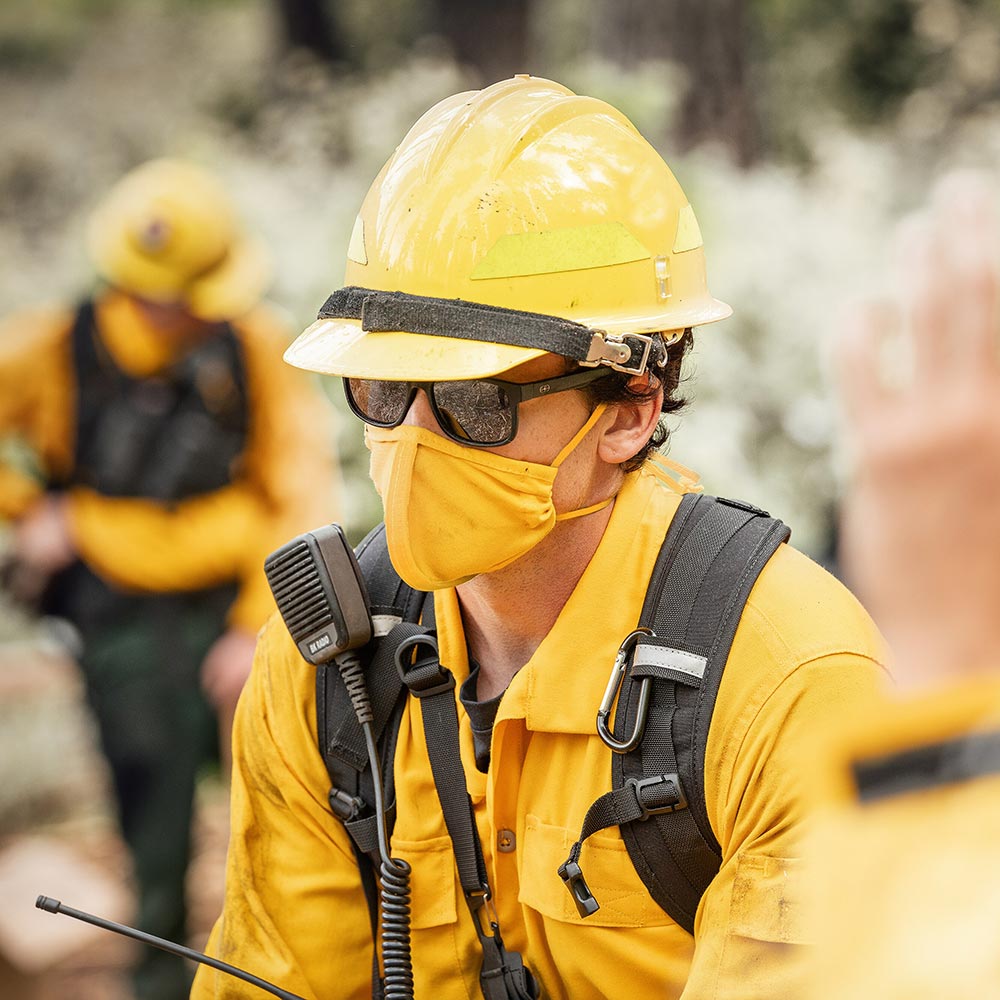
143, 545
752, 913
288, 483
294, 910
921, 829
805, 657
36, 401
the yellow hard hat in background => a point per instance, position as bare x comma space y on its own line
522, 196
168, 232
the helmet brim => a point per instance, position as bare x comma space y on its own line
234, 287
226, 292
335, 346
341, 347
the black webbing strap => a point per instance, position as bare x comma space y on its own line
434, 686
342, 740
933, 765
457, 318
96, 379
708, 563
695, 606
503, 975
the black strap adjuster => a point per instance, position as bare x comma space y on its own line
345, 807
424, 676
660, 794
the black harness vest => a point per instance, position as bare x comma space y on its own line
166, 438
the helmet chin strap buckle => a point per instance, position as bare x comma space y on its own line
626, 352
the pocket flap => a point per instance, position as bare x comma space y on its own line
433, 880
623, 898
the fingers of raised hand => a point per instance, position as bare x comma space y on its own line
859, 360
949, 282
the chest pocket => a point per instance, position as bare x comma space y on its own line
625, 901
433, 882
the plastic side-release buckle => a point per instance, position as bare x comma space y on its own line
425, 676
572, 875
660, 794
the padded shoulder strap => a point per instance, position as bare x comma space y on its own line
395, 607
96, 380
341, 739
710, 560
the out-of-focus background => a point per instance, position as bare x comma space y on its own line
800, 130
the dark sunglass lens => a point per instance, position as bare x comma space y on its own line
379, 402
478, 412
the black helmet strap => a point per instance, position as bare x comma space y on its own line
399, 311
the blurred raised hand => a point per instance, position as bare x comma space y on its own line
920, 539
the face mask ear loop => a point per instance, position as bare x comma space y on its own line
583, 511
580, 435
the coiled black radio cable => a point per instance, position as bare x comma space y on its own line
394, 873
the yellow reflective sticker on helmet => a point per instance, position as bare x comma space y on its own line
356, 248
572, 249
688, 232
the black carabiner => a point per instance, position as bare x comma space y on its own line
611, 693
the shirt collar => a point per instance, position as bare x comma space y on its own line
560, 688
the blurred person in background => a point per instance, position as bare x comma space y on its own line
171, 450
909, 887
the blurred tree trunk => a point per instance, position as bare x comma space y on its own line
709, 41
489, 34
309, 24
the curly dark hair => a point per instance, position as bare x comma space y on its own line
616, 388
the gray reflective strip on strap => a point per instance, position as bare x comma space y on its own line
381, 312
669, 661
384, 624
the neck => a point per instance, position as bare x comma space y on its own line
509, 612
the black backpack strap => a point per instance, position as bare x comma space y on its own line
395, 609
503, 974
96, 379
710, 559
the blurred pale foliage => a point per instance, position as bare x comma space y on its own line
90, 90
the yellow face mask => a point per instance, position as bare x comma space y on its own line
453, 512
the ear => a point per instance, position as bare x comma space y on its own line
631, 425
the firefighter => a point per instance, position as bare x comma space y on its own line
522, 280
168, 453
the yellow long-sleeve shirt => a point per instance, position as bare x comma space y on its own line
287, 478
804, 652
906, 893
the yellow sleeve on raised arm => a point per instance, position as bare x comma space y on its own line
905, 896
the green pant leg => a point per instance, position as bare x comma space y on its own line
157, 730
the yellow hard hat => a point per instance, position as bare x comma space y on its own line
510, 222
168, 232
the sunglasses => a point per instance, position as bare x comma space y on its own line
481, 413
